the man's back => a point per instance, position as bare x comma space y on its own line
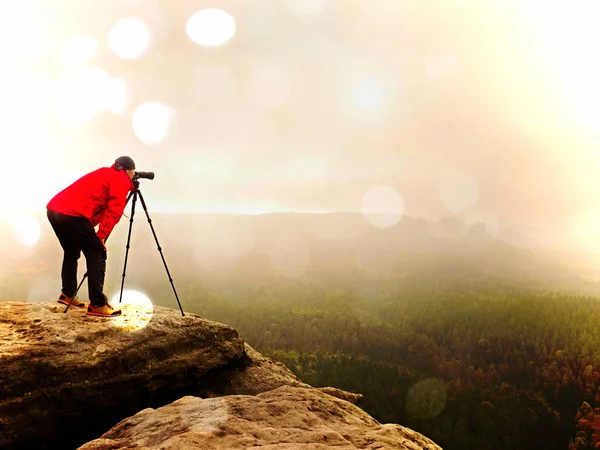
75, 199
100, 196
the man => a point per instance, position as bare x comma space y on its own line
96, 199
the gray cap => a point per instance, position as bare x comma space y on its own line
125, 163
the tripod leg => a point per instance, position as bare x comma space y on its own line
76, 291
159, 250
134, 193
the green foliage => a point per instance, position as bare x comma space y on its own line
516, 362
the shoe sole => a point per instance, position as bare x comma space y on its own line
64, 302
102, 315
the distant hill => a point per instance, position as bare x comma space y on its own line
333, 246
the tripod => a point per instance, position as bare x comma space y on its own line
135, 194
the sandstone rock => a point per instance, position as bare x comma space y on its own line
67, 378
344, 395
254, 374
291, 418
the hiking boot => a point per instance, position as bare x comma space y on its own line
65, 300
103, 311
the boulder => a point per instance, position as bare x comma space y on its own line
289, 417
67, 378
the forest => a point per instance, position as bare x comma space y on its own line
482, 365
484, 347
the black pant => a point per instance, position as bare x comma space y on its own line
76, 234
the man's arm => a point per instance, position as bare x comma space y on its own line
117, 191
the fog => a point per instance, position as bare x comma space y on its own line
475, 111
383, 195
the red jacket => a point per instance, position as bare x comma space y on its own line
100, 196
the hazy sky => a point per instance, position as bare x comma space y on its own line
477, 109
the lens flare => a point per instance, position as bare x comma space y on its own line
117, 95
16, 242
151, 122
27, 230
137, 310
383, 206
129, 38
84, 93
78, 50
458, 191
211, 27
427, 399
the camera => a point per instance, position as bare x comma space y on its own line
146, 175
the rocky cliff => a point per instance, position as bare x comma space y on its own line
161, 380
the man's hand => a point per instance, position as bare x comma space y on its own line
103, 244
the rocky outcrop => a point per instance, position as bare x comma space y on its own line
67, 378
291, 418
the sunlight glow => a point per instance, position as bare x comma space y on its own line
26, 100
43, 289
305, 7
84, 93
570, 34
215, 86
78, 50
151, 122
368, 95
237, 131
211, 27
21, 36
269, 87
27, 230
586, 226
116, 95
129, 38
383, 206
259, 134
442, 69
137, 310
246, 208
458, 191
